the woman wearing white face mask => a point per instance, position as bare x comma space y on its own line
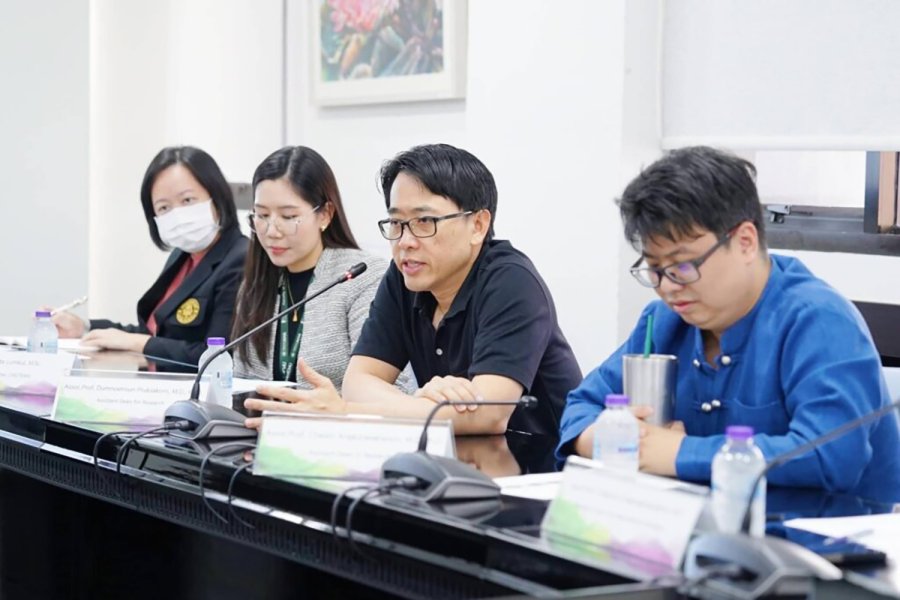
190, 209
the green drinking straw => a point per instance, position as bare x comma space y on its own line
648, 339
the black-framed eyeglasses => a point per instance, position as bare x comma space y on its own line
681, 273
420, 227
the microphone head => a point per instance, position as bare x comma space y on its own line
356, 270
528, 402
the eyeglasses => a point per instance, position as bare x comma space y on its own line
681, 273
285, 225
420, 227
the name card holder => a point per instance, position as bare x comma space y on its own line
320, 447
31, 373
640, 521
113, 400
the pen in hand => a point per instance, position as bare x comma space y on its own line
70, 305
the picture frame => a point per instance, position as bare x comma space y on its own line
383, 51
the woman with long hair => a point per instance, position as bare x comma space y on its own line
301, 242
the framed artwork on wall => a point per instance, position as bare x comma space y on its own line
378, 51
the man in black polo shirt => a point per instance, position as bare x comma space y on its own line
471, 314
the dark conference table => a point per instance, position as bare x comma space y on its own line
69, 529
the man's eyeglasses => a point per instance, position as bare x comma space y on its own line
420, 227
286, 225
681, 273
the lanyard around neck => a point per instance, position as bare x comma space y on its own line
288, 352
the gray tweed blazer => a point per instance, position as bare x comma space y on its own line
332, 322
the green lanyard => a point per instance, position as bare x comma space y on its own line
288, 357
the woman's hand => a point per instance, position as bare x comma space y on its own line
68, 325
116, 339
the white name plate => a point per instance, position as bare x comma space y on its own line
294, 446
636, 519
33, 373
97, 400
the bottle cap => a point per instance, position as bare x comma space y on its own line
215, 341
617, 400
42, 313
739, 432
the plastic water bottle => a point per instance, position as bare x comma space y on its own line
43, 336
220, 371
734, 470
617, 435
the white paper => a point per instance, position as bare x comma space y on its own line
242, 386
879, 532
67, 344
537, 486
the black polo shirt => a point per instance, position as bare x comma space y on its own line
502, 322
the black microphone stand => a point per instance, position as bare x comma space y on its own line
440, 477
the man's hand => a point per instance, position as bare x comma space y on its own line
584, 443
641, 411
457, 389
659, 447
116, 339
322, 398
490, 454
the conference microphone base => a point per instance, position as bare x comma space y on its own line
440, 478
735, 565
209, 421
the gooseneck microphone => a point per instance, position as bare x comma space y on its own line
209, 417
439, 477
812, 444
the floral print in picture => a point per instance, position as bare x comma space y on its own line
364, 39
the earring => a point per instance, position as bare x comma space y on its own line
324, 227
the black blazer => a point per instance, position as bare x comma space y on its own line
201, 307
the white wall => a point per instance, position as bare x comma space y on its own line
129, 41
818, 178
543, 110
856, 276
770, 74
201, 72
640, 140
44, 157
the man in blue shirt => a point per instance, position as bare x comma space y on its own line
760, 340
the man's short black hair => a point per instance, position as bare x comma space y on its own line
691, 189
445, 171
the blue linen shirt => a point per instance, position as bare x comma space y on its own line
800, 364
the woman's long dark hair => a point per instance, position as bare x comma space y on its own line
311, 177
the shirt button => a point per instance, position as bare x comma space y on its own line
726, 360
697, 363
706, 407
716, 403
439, 352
